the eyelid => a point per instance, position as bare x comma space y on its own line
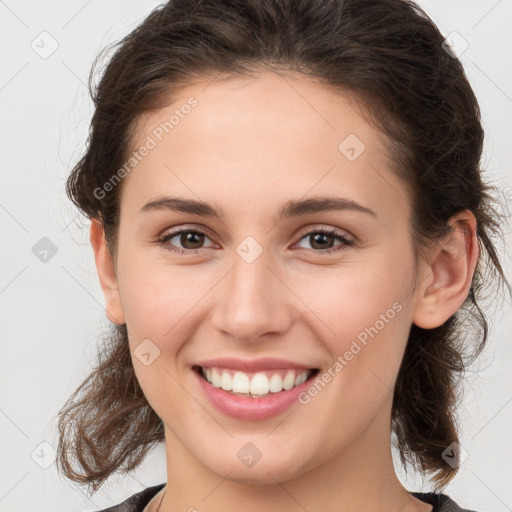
174, 230
322, 227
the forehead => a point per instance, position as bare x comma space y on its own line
243, 141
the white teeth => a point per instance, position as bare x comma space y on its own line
241, 383
226, 381
275, 384
260, 384
215, 378
289, 380
300, 379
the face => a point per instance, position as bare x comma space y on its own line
324, 287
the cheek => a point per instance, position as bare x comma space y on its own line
365, 313
155, 296
355, 296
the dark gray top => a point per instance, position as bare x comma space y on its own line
137, 502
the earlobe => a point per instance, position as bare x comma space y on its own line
448, 277
106, 273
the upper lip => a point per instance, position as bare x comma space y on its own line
253, 365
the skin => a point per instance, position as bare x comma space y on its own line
249, 146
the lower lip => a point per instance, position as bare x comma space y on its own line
251, 409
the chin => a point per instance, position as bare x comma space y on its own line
278, 468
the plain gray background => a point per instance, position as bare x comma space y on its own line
52, 312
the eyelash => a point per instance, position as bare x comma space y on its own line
162, 241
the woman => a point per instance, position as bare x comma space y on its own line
289, 225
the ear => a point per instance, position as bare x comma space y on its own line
106, 273
446, 280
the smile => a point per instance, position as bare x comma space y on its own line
255, 384
254, 395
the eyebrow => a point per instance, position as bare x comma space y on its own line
291, 208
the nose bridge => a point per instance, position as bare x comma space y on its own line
251, 300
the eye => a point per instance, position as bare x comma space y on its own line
191, 239
321, 239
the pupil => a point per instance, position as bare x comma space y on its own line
322, 236
188, 238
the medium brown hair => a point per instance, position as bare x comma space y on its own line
390, 57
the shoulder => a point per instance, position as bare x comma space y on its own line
441, 502
136, 502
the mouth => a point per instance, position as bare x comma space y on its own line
259, 384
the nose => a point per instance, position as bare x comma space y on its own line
252, 301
